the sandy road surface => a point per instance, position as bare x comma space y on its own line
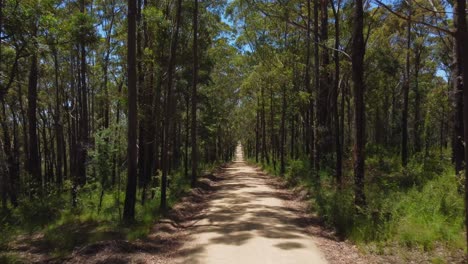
247, 223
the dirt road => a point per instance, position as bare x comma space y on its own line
247, 222
237, 215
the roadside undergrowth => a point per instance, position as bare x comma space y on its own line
50, 226
412, 213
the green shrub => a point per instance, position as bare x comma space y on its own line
8, 258
336, 209
431, 213
417, 206
295, 171
37, 213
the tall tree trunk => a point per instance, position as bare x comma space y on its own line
194, 94
272, 132
309, 129
324, 132
73, 130
187, 136
130, 193
169, 109
15, 164
34, 161
257, 130
11, 175
461, 39
358, 51
58, 123
417, 103
145, 162
457, 72
3, 177
406, 87
264, 144
315, 113
338, 149
83, 120
283, 130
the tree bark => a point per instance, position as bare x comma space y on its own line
406, 87
130, 194
461, 39
358, 51
194, 95
314, 112
417, 103
283, 131
338, 149
34, 161
169, 109
58, 123
83, 136
324, 140
457, 72
257, 130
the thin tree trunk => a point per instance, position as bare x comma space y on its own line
283, 131
187, 136
272, 132
314, 114
336, 88
169, 109
358, 51
417, 103
264, 146
194, 94
9, 177
257, 130
308, 126
83, 125
406, 86
130, 193
58, 122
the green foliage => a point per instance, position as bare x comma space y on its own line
106, 147
296, 170
336, 209
432, 214
7, 258
36, 214
65, 228
416, 207
83, 29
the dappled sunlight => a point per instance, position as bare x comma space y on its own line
247, 222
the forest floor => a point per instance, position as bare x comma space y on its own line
235, 215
